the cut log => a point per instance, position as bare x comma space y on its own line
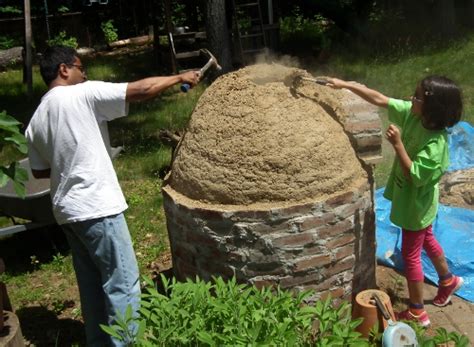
140, 40
11, 335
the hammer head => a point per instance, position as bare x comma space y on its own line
212, 62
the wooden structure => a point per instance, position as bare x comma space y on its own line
249, 31
255, 29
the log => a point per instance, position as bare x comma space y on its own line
10, 56
11, 335
140, 40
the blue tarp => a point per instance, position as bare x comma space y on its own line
453, 227
461, 146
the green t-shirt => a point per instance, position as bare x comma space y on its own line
415, 200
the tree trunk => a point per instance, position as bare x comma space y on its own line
28, 62
218, 34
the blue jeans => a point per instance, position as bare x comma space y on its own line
106, 271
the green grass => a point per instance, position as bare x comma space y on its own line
50, 283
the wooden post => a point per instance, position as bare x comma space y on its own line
169, 29
28, 62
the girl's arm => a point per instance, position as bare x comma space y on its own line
369, 95
393, 136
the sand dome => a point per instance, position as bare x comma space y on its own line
255, 139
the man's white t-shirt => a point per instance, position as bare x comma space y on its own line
65, 135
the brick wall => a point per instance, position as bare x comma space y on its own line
327, 245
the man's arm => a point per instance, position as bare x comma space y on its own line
148, 88
41, 173
369, 95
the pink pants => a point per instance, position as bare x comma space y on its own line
412, 244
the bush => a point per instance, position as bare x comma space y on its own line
62, 40
300, 34
7, 42
110, 32
228, 314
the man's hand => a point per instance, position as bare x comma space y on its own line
190, 77
393, 135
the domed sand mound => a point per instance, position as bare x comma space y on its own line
252, 139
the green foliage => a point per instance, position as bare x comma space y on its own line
10, 10
10, 136
224, 313
110, 32
6, 42
441, 338
63, 9
62, 40
308, 34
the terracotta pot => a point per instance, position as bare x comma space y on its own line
364, 308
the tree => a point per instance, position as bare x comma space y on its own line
218, 34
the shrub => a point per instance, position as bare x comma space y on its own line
309, 34
230, 314
62, 40
7, 42
110, 32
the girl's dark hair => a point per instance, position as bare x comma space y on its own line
52, 58
442, 102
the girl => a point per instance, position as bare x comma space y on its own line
421, 158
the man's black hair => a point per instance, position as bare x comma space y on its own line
442, 102
52, 58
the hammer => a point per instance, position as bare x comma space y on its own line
212, 62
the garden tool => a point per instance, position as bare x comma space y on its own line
397, 334
212, 62
320, 81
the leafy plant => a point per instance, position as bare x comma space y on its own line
110, 32
62, 40
336, 327
10, 136
226, 313
6, 42
441, 338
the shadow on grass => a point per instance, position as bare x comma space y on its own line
42, 327
42, 244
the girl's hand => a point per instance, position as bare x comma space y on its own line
393, 135
336, 83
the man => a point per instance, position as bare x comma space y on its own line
67, 143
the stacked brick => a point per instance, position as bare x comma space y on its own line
361, 122
327, 246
